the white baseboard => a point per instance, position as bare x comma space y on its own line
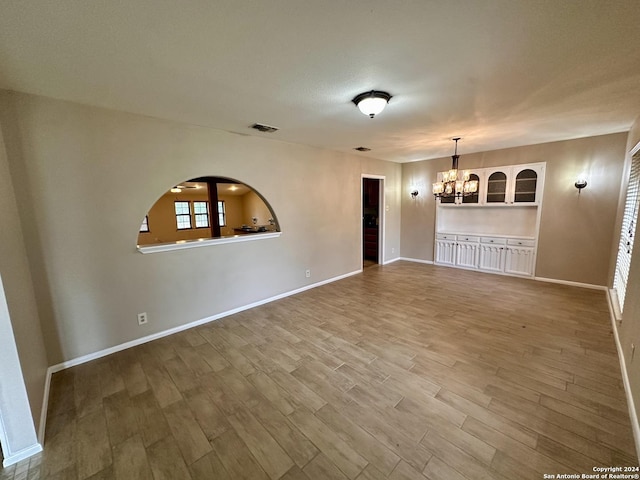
416, 260
139, 341
21, 455
393, 260
633, 415
45, 405
614, 304
571, 284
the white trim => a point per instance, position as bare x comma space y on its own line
635, 149
382, 206
571, 284
633, 415
206, 242
393, 260
416, 260
21, 455
614, 304
139, 341
45, 405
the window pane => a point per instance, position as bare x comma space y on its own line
145, 224
183, 221
182, 208
202, 220
221, 214
629, 221
200, 207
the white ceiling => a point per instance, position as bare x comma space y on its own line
498, 73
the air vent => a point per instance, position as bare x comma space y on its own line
264, 128
362, 149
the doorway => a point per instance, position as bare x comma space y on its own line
372, 220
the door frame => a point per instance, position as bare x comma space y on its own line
17, 430
381, 215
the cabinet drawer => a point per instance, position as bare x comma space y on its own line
467, 238
445, 236
521, 243
494, 240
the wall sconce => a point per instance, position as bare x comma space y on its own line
581, 182
414, 194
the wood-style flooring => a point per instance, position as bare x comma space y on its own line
405, 371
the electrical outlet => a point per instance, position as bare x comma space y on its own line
393, 250
307, 273
142, 318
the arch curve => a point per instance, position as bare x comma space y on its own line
207, 208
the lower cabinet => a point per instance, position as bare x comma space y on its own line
467, 254
513, 256
445, 251
491, 258
519, 261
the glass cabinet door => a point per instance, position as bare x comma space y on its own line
497, 187
525, 187
474, 197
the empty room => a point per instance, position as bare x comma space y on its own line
333, 240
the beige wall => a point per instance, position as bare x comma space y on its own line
87, 177
575, 231
253, 206
234, 206
162, 219
21, 302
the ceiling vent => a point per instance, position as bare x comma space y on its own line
362, 149
264, 128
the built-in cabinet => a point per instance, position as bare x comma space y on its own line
495, 230
509, 185
513, 256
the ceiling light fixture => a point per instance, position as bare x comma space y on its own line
581, 182
449, 185
372, 103
176, 190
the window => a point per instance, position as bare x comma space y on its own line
222, 214
201, 214
183, 215
145, 224
629, 221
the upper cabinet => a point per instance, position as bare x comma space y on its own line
474, 198
510, 185
497, 185
527, 186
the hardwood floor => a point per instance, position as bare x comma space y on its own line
406, 371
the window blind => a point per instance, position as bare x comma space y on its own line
629, 221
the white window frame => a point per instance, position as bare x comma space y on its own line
627, 233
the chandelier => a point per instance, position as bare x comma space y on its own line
450, 184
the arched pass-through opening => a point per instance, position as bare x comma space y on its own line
206, 211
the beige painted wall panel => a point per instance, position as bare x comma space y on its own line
575, 231
234, 206
162, 220
254, 207
21, 301
92, 281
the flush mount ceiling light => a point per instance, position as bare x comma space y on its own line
371, 103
